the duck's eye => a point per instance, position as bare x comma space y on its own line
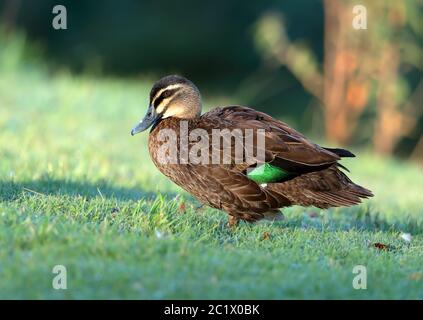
164, 95
167, 94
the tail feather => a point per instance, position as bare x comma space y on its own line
341, 152
323, 189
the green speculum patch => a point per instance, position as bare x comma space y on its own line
267, 173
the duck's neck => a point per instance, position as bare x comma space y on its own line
172, 123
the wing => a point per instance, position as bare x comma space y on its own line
284, 147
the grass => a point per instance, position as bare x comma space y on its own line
77, 190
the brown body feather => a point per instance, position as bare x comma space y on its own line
318, 181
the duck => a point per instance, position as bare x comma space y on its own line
291, 169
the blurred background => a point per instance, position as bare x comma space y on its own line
300, 61
77, 190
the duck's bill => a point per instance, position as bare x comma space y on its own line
150, 119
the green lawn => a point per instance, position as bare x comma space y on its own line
77, 190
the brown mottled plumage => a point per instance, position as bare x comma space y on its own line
317, 179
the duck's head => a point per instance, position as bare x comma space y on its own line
171, 96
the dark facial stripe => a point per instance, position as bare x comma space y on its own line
165, 94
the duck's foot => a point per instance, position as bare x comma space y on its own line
274, 215
200, 207
232, 221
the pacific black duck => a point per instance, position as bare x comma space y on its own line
292, 170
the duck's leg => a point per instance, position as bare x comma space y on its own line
232, 221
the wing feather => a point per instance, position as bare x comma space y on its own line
285, 147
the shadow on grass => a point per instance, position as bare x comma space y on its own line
350, 219
344, 220
10, 191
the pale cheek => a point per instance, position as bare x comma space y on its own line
162, 105
174, 111
160, 109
